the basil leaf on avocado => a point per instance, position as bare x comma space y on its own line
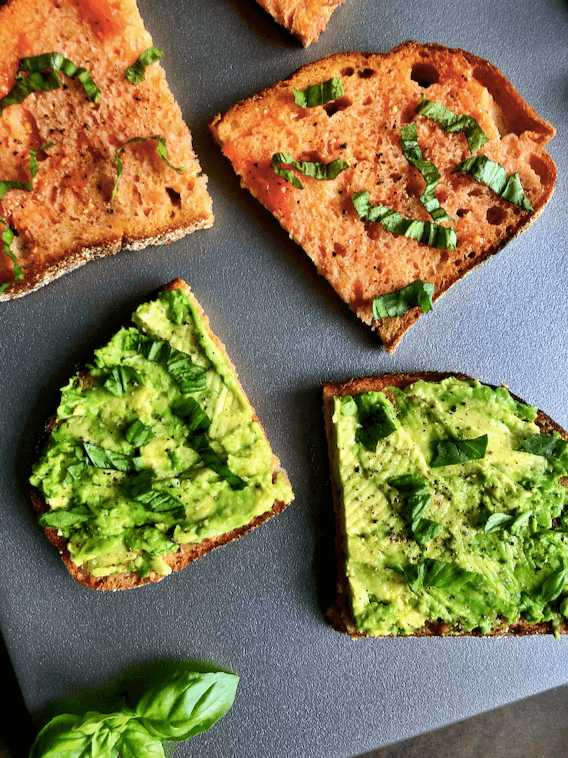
454, 122
102, 457
545, 445
417, 293
319, 94
375, 422
450, 452
418, 497
314, 170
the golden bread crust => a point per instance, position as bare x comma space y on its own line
70, 217
305, 19
339, 614
361, 260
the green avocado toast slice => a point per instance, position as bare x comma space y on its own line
155, 455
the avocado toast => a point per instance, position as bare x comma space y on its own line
450, 501
155, 456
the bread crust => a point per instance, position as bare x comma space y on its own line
340, 615
305, 19
382, 90
187, 553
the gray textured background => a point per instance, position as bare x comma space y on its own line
257, 606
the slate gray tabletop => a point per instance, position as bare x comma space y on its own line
257, 606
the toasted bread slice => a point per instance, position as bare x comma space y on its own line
219, 501
456, 520
69, 216
305, 19
360, 258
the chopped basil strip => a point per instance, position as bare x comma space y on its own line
317, 170
417, 293
188, 375
201, 445
319, 94
424, 231
497, 521
61, 518
434, 573
552, 587
34, 165
7, 239
121, 379
494, 175
38, 82
189, 409
136, 73
454, 122
162, 152
159, 501
102, 457
138, 434
545, 445
429, 172
375, 422
417, 496
34, 168
450, 452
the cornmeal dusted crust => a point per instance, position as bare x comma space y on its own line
186, 553
340, 614
69, 218
305, 19
361, 260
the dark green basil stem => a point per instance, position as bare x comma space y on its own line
314, 170
160, 147
417, 293
429, 172
494, 175
453, 122
319, 94
136, 73
428, 232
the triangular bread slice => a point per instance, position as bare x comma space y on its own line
305, 19
362, 128
126, 505
68, 215
374, 531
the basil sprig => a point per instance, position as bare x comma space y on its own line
160, 147
319, 94
429, 232
136, 73
428, 171
494, 175
450, 452
544, 445
434, 573
375, 422
417, 293
454, 122
418, 497
174, 708
7, 239
314, 170
43, 77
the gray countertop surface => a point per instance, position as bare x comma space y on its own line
257, 606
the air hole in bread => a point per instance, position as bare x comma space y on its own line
337, 105
462, 212
349, 71
476, 192
367, 101
174, 196
495, 215
396, 177
540, 168
366, 73
339, 249
424, 74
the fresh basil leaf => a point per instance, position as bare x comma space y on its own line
65, 519
188, 375
189, 409
450, 452
429, 172
186, 703
138, 434
454, 122
159, 501
418, 497
553, 586
428, 232
162, 152
7, 239
314, 170
102, 457
59, 739
319, 94
414, 574
57, 62
211, 459
36, 82
140, 484
494, 175
544, 445
445, 576
136, 73
375, 422
136, 741
497, 521
425, 530
416, 294
121, 379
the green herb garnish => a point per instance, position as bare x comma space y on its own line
375, 422
188, 375
417, 293
7, 239
453, 122
434, 573
544, 445
494, 175
102, 457
138, 433
121, 379
314, 170
418, 497
450, 452
429, 172
136, 73
65, 519
428, 232
319, 94
162, 152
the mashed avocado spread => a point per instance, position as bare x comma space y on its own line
453, 509
154, 448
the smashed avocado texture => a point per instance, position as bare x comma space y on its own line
491, 543
154, 448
